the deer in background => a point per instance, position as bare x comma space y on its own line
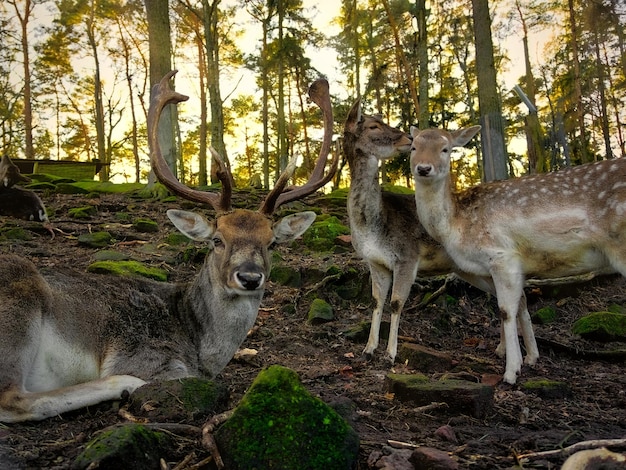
383, 228
70, 340
19, 202
545, 226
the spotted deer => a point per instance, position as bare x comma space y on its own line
383, 228
544, 226
69, 340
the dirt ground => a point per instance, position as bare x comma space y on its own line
461, 322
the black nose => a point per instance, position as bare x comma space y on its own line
250, 280
423, 170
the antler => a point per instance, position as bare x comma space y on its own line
162, 95
320, 95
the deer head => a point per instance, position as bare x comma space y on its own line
240, 238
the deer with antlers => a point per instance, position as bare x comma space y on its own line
69, 340
545, 226
383, 228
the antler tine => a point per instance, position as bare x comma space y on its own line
162, 95
224, 176
320, 95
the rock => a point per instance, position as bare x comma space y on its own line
145, 225
460, 396
129, 446
279, 425
424, 359
544, 315
320, 312
85, 212
322, 234
127, 268
601, 326
446, 433
286, 276
95, 239
547, 388
179, 400
427, 458
110, 255
391, 459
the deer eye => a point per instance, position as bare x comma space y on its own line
218, 241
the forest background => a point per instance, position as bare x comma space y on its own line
546, 79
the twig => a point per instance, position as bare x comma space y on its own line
208, 440
401, 445
567, 451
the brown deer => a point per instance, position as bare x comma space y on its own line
69, 340
384, 232
19, 202
549, 225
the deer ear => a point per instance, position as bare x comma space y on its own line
191, 224
463, 136
292, 226
354, 116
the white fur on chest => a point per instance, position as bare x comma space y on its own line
59, 363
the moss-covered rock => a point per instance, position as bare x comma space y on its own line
320, 312
286, 276
16, 233
110, 255
547, 388
180, 400
127, 268
544, 315
279, 425
85, 212
95, 239
601, 326
145, 225
177, 239
129, 446
322, 234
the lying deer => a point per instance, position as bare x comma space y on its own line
383, 228
69, 340
19, 202
547, 226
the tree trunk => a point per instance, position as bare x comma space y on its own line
492, 134
422, 60
157, 12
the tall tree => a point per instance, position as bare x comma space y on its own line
24, 17
495, 161
160, 54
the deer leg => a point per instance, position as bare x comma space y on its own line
403, 278
509, 290
381, 281
532, 352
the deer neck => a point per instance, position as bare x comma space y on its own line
364, 198
436, 207
206, 301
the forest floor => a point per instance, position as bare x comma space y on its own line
461, 323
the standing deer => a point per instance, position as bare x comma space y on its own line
69, 340
383, 228
546, 226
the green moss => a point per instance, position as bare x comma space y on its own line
177, 239
320, 312
286, 276
397, 189
16, 233
321, 235
127, 268
547, 388
279, 425
544, 315
95, 239
131, 446
601, 326
145, 225
82, 212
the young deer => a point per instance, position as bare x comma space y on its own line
69, 340
382, 223
548, 225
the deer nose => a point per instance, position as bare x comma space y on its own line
423, 169
249, 280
